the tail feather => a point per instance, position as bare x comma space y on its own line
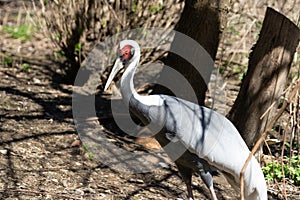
255, 186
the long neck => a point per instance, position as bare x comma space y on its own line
127, 87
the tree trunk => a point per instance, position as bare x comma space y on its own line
203, 21
266, 78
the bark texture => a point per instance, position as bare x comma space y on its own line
203, 21
266, 78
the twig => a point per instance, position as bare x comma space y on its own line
271, 106
263, 136
297, 122
294, 122
114, 13
282, 164
243, 38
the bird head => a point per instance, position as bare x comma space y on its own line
128, 51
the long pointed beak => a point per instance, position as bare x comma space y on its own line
117, 67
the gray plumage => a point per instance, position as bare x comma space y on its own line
199, 139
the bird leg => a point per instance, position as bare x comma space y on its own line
213, 194
208, 181
186, 174
189, 189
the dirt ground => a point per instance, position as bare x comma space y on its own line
40, 153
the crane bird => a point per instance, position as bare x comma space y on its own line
211, 141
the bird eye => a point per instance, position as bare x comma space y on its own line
126, 53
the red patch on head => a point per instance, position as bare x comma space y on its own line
126, 52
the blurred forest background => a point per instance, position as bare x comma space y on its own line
43, 44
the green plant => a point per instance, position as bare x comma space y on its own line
59, 54
46, 2
222, 69
22, 31
291, 169
89, 154
134, 8
234, 31
8, 61
25, 67
240, 70
85, 147
155, 8
78, 48
272, 171
6, 104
